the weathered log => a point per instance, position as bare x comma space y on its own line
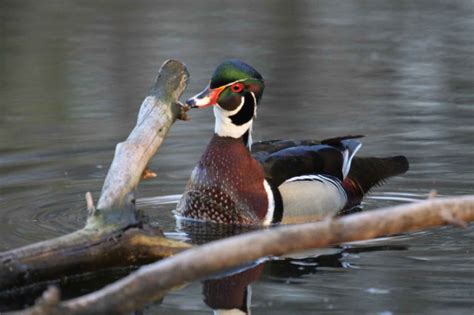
152, 281
114, 234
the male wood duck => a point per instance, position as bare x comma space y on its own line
279, 181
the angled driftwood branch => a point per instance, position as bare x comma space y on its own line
152, 281
114, 234
157, 113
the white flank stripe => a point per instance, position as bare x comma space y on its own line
271, 204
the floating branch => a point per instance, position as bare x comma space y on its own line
153, 281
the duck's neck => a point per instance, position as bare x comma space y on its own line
224, 127
224, 151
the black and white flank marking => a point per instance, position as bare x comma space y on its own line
315, 195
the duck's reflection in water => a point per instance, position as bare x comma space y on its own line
230, 293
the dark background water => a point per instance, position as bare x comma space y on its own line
73, 74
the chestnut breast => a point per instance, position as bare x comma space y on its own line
226, 186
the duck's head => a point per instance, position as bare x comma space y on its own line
234, 92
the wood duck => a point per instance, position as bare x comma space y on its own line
273, 181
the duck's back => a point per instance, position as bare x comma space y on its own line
226, 186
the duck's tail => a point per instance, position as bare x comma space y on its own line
368, 172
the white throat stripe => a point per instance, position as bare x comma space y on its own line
224, 126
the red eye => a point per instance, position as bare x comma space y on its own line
237, 87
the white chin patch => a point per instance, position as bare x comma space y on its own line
224, 126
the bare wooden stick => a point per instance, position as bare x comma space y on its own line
152, 281
113, 235
158, 112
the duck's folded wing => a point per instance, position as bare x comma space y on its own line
283, 160
262, 149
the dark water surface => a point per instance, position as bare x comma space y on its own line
73, 74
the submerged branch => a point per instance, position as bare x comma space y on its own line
152, 281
